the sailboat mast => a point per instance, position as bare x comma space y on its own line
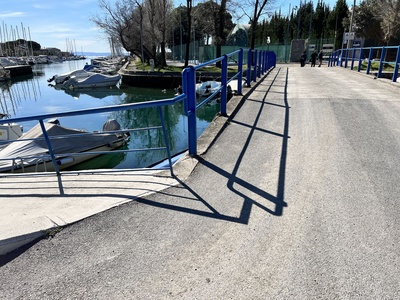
30, 39
1, 41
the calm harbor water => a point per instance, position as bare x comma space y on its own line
33, 95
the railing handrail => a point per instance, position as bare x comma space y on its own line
88, 111
337, 57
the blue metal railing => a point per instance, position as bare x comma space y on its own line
365, 57
259, 62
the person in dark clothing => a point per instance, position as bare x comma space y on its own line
314, 56
303, 58
320, 57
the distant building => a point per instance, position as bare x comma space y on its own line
239, 35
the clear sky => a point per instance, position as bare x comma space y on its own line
53, 23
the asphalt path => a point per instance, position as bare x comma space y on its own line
296, 198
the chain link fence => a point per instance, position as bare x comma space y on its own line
199, 53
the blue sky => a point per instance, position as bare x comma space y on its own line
53, 23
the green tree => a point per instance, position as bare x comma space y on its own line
367, 23
158, 12
189, 7
139, 27
388, 12
335, 20
206, 25
319, 20
277, 27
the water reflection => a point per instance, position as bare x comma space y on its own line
17, 90
99, 92
106, 161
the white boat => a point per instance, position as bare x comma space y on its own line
79, 73
8, 61
207, 88
94, 80
30, 153
9, 132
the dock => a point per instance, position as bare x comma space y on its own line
19, 70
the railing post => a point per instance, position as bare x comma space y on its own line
371, 51
342, 58
189, 88
265, 61
224, 82
396, 67
339, 53
360, 59
342, 52
53, 159
166, 140
260, 62
352, 58
249, 64
347, 56
382, 60
255, 65
263, 65
240, 71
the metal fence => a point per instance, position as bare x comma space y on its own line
202, 53
382, 62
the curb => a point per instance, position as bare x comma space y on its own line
11, 244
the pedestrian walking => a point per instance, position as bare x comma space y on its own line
320, 57
314, 56
303, 59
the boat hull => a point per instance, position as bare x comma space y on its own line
65, 162
96, 80
70, 147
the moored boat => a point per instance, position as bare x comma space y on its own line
9, 132
79, 73
94, 80
207, 88
70, 147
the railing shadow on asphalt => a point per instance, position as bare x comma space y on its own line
232, 178
245, 213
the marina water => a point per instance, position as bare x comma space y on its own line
32, 95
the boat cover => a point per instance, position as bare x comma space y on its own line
95, 80
63, 140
